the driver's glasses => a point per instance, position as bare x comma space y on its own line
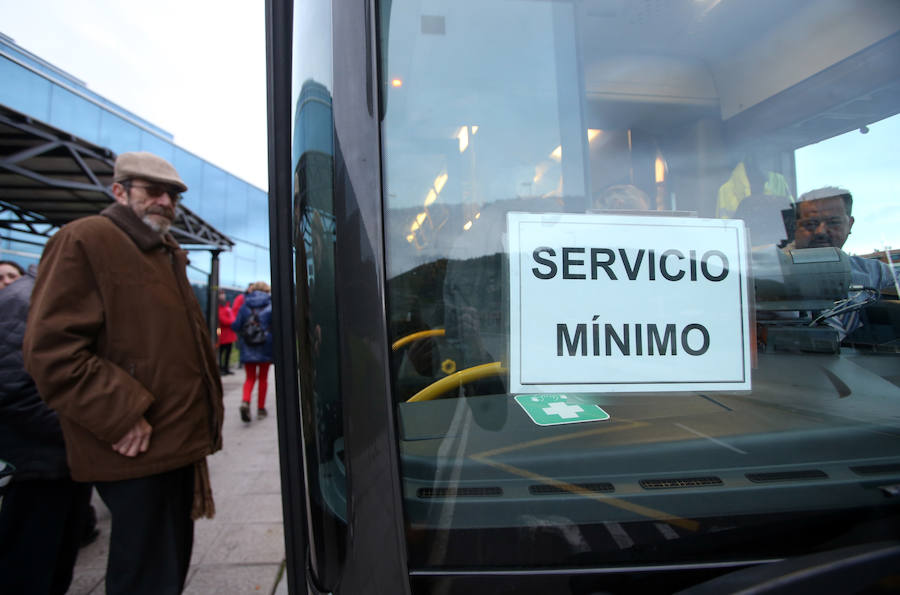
813, 224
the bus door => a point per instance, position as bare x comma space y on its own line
586, 295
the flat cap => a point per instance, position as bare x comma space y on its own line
826, 192
140, 164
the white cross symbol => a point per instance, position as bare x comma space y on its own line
564, 410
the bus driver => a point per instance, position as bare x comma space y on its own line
823, 219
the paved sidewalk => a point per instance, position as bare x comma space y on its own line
241, 550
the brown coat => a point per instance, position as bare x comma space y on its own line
115, 333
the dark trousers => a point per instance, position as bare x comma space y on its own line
41, 524
152, 532
225, 356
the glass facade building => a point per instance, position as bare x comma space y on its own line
238, 209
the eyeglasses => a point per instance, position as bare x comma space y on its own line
813, 224
157, 190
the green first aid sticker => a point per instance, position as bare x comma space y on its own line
556, 409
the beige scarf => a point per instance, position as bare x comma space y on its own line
203, 496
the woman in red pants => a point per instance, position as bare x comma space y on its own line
253, 326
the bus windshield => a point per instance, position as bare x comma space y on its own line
640, 287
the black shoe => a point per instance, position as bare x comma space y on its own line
225, 372
261, 413
245, 412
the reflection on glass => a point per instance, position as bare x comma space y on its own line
317, 322
707, 110
317, 332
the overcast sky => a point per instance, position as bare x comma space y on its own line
195, 68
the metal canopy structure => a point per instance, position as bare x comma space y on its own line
49, 178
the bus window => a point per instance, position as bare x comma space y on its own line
719, 366
847, 158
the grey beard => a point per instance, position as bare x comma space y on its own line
161, 229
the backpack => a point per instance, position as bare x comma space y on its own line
252, 331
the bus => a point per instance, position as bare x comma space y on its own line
572, 294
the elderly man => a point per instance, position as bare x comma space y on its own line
823, 219
118, 347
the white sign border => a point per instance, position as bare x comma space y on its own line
742, 385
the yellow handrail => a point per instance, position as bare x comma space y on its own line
457, 379
438, 332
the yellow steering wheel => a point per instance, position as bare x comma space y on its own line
454, 380
438, 332
457, 379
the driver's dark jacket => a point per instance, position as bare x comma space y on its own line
115, 333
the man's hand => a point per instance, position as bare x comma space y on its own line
136, 441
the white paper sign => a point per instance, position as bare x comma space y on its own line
618, 303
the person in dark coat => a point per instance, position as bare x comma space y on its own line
44, 513
255, 358
9, 272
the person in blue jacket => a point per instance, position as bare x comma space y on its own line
253, 326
